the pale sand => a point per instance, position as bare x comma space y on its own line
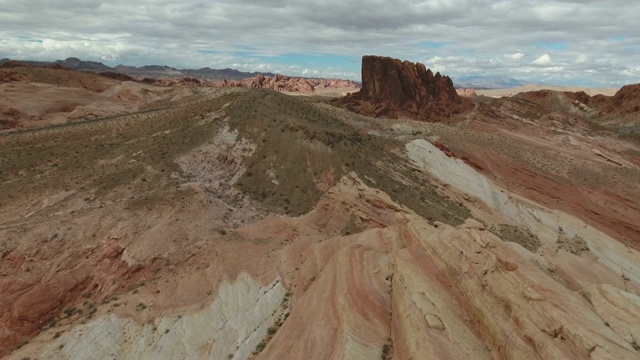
533, 87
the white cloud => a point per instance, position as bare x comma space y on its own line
555, 12
464, 34
582, 58
554, 69
515, 56
542, 60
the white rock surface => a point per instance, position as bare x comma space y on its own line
604, 251
233, 324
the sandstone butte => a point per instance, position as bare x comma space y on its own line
243, 223
395, 88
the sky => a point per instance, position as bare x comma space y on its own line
563, 42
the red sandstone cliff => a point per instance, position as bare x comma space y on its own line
393, 88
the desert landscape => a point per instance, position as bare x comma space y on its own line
283, 218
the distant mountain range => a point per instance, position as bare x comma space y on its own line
487, 82
206, 73
148, 71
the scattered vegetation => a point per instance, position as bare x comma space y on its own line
272, 330
151, 139
70, 312
351, 227
91, 309
309, 148
52, 323
575, 244
387, 350
512, 233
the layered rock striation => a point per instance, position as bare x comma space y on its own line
394, 88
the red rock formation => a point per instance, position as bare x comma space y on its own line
185, 81
278, 82
229, 83
466, 92
338, 84
393, 88
626, 100
288, 83
624, 104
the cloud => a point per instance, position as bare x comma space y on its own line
464, 34
553, 69
515, 56
542, 60
582, 58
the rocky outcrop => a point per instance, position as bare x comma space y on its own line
626, 100
394, 88
281, 83
278, 83
291, 84
339, 84
617, 112
466, 92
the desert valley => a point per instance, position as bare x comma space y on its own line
274, 217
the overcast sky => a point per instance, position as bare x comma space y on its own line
579, 42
